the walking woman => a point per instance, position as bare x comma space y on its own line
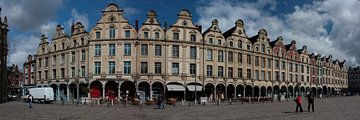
298, 103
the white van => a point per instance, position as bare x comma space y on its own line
45, 94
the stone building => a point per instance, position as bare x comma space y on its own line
15, 79
29, 71
117, 58
354, 80
3, 58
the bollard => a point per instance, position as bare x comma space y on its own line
204, 104
189, 104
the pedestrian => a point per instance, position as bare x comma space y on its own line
62, 97
310, 98
30, 99
298, 103
160, 100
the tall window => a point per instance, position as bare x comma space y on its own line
220, 71
257, 75
54, 73
82, 41
175, 69
72, 72
157, 35
277, 75
144, 67
72, 57
262, 62
269, 63
230, 72
82, 71
193, 69
97, 67
209, 70
111, 49
62, 72
230, 56
157, 50
209, 54
277, 64
240, 73
256, 60
98, 35
83, 55
144, 49
112, 32
175, 51
302, 68
283, 76
54, 60
296, 78
262, 75
220, 56
262, 48
231, 44
193, 52
47, 61
46, 75
176, 36
111, 67
157, 67
240, 58
146, 35
269, 75
211, 41
219, 42
248, 59
62, 58
291, 78
193, 38
127, 67
248, 73
296, 67
290, 67
127, 49
97, 50
283, 64
239, 44
127, 33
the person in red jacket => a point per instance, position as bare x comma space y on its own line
298, 103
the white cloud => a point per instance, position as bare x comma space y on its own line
78, 17
328, 27
24, 46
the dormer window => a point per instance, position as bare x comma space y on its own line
176, 36
248, 47
193, 38
239, 44
231, 44
112, 32
157, 35
82, 41
127, 33
63, 45
146, 35
54, 47
211, 40
97, 34
219, 42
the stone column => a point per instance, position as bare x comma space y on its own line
244, 94
103, 91
67, 92
151, 92
235, 94
58, 92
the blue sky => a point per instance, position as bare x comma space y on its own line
327, 27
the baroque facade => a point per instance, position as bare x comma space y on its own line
3, 59
354, 80
116, 58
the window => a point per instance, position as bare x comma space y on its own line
72, 72
54, 47
307, 69
262, 75
256, 61
296, 78
54, 73
62, 72
157, 67
277, 64
220, 71
231, 44
302, 78
111, 32
127, 67
157, 35
240, 73
290, 67
193, 52
219, 42
209, 70
230, 56
127, 33
72, 57
144, 49
54, 60
257, 75
97, 35
248, 47
127, 49
176, 36
192, 69
269, 75
239, 44
83, 55
175, 69
239, 57
277, 75
262, 63
211, 41
62, 58
111, 49
46, 75
82, 71
175, 51
209, 54
248, 59
97, 67
75, 43
283, 64
269, 63
296, 67
40, 61
82, 41
220, 56
302, 68
283, 76
230, 72
146, 35
63, 46
144, 67
111, 67
248, 73
46, 61
193, 38
39, 73
291, 77
157, 50
97, 50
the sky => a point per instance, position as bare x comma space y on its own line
326, 27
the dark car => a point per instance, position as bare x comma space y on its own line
12, 97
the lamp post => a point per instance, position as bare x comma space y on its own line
78, 76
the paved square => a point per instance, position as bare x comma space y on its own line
325, 109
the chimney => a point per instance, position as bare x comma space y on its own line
200, 28
137, 25
72, 28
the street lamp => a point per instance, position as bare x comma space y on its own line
78, 76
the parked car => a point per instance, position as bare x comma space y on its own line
12, 97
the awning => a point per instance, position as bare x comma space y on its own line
192, 87
175, 88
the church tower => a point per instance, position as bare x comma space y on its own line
3, 58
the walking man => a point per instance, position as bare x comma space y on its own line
298, 103
30, 98
160, 102
310, 98
62, 97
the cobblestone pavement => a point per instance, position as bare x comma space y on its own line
325, 109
